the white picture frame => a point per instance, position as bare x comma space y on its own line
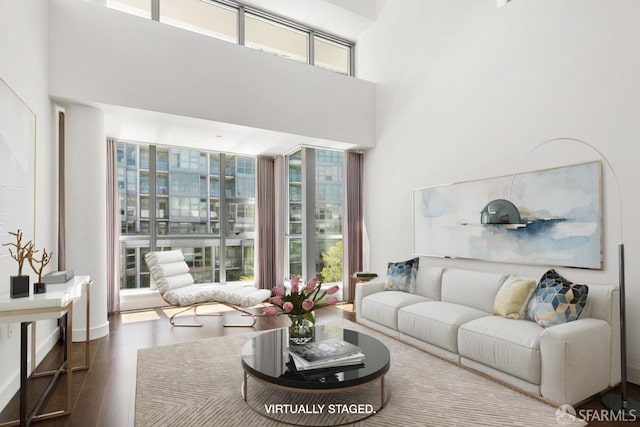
17, 167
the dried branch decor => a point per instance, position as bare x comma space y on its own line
22, 252
38, 265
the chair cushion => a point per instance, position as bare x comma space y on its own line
436, 322
511, 346
176, 286
245, 296
168, 270
241, 295
382, 307
164, 257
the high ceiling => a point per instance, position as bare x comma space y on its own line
344, 18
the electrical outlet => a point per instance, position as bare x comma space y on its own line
9, 331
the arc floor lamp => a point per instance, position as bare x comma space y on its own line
503, 211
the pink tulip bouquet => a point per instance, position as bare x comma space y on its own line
302, 300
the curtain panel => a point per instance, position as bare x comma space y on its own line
352, 228
113, 228
265, 212
280, 177
62, 230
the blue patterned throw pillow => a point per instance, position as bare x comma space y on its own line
557, 300
401, 276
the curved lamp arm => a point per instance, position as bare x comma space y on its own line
619, 403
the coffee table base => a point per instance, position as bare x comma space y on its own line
340, 411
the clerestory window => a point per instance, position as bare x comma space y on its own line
236, 23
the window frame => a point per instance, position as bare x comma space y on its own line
243, 9
308, 238
216, 242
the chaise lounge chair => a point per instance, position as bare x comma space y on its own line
175, 284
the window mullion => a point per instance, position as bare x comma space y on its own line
311, 49
155, 10
241, 25
152, 198
224, 218
308, 212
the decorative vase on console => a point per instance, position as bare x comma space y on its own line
38, 265
299, 306
20, 283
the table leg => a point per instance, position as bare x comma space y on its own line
382, 392
68, 356
244, 386
24, 332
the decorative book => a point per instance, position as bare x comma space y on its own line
318, 351
364, 274
57, 277
339, 361
324, 354
314, 374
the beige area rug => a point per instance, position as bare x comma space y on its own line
199, 384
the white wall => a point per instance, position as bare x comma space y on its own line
23, 65
466, 90
102, 55
86, 212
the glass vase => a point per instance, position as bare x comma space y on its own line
300, 329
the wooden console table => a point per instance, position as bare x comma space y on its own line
57, 302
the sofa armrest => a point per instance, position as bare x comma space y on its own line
575, 359
366, 288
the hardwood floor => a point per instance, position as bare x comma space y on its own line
105, 395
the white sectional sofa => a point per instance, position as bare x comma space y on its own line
450, 315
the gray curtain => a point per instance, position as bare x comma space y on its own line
280, 182
113, 229
265, 221
352, 233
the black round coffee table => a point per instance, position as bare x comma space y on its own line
266, 358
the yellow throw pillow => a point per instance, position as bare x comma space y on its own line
512, 298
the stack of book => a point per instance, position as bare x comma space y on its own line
364, 276
57, 277
324, 354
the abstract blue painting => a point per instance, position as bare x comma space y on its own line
561, 211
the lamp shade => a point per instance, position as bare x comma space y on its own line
500, 211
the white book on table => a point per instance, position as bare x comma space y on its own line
304, 365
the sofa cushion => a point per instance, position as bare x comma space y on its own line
511, 346
471, 288
401, 276
436, 322
556, 300
429, 282
511, 300
382, 307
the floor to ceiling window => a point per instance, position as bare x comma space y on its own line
315, 207
202, 203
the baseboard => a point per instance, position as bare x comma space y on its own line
79, 334
12, 385
141, 300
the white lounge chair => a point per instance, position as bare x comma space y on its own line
175, 284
